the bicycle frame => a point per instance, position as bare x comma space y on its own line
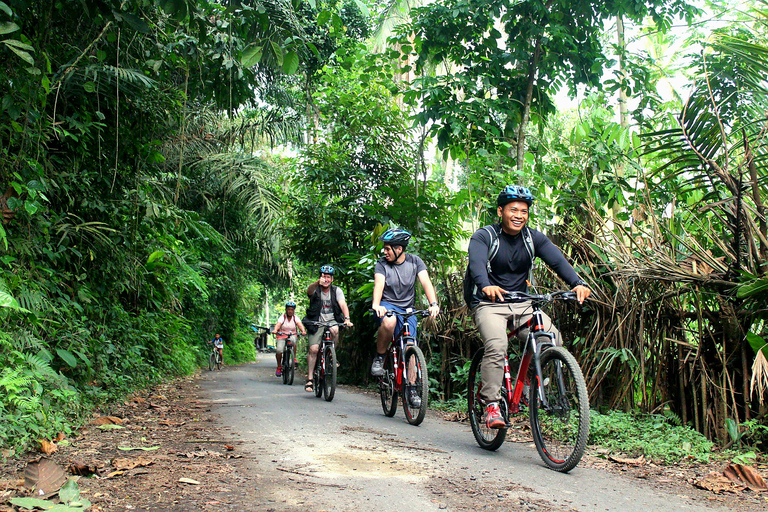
397, 349
324, 342
531, 353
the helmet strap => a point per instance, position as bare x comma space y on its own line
402, 253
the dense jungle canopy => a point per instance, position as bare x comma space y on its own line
175, 168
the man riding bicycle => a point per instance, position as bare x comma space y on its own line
326, 304
497, 272
394, 289
288, 324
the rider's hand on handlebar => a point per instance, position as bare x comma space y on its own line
495, 293
434, 311
582, 293
348, 322
380, 310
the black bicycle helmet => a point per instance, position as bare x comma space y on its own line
326, 269
515, 193
290, 304
396, 236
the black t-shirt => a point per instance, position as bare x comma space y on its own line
510, 267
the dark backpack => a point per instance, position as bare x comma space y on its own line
470, 288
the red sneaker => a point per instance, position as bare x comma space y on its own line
279, 373
493, 418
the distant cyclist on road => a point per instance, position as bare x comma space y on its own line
394, 289
287, 323
326, 304
218, 342
507, 272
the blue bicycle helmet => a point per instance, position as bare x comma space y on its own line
515, 193
290, 304
326, 269
396, 236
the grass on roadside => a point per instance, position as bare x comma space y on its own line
657, 437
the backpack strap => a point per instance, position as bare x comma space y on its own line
493, 246
528, 240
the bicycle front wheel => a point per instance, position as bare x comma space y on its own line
416, 394
487, 438
387, 387
561, 427
218, 361
329, 383
319, 384
211, 362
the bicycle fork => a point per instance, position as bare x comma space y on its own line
531, 354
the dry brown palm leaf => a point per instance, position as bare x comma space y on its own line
759, 379
745, 475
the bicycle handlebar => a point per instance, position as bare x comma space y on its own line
282, 333
540, 298
326, 324
417, 312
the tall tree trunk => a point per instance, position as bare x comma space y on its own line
622, 47
533, 66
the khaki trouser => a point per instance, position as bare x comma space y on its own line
492, 320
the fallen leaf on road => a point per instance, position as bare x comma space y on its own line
59, 437
82, 469
622, 460
45, 446
110, 426
44, 476
455, 416
123, 463
745, 475
229, 447
189, 481
114, 474
107, 420
717, 483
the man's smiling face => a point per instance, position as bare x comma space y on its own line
513, 216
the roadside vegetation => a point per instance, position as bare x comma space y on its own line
174, 169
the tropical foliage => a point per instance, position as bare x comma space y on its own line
175, 168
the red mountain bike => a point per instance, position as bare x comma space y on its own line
558, 404
405, 373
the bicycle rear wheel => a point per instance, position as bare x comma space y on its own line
211, 362
287, 369
414, 357
329, 383
487, 438
560, 430
387, 387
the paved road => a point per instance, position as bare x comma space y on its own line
346, 455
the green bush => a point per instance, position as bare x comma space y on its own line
654, 436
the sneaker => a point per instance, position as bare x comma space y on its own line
279, 372
377, 368
414, 399
493, 418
